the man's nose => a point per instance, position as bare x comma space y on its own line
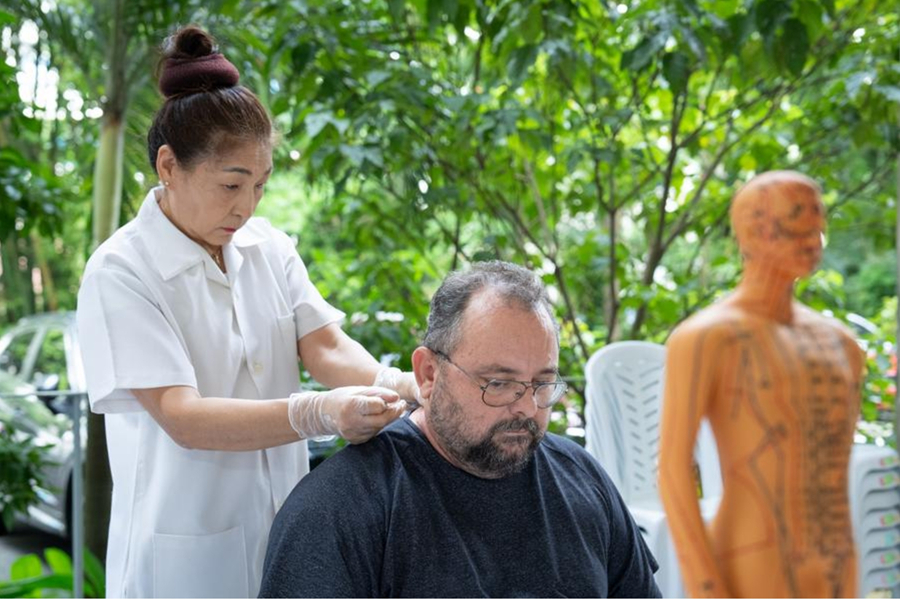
526, 404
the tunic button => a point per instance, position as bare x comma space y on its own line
257, 368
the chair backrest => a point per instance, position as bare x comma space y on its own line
624, 394
624, 386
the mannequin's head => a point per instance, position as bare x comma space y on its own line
778, 220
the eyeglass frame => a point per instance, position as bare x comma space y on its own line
534, 386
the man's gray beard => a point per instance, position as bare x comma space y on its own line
486, 456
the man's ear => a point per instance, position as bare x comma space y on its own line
424, 364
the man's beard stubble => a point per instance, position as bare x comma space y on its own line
487, 456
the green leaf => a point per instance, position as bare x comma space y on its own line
301, 55
374, 78
520, 61
639, 57
398, 10
58, 560
359, 154
531, 26
794, 46
440, 11
32, 587
8, 517
854, 81
695, 45
691, 6
316, 121
463, 15
891, 92
677, 71
93, 573
811, 13
770, 14
739, 28
27, 566
603, 154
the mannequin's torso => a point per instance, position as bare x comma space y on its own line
782, 403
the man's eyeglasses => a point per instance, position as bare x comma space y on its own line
501, 392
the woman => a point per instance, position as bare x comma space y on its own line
193, 316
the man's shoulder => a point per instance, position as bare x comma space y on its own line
567, 454
373, 460
563, 445
574, 467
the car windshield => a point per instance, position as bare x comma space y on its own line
21, 408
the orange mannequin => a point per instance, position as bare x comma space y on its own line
779, 384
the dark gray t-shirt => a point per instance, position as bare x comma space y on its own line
392, 518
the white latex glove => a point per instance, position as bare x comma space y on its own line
403, 383
355, 413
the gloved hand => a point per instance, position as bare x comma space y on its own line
355, 413
403, 383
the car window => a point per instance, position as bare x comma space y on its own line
50, 371
12, 360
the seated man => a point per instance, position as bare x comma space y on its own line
469, 495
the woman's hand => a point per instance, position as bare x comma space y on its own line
404, 383
355, 413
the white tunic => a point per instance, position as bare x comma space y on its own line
153, 311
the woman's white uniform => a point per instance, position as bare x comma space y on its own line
154, 311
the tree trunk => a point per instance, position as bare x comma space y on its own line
108, 178
107, 203
51, 301
14, 287
97, 487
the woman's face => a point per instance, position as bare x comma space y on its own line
216, 197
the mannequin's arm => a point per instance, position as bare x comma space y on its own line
689, 388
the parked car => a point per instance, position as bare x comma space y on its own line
40, 360
41, 365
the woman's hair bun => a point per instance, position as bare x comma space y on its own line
191, 64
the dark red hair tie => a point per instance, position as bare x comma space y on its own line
182, 75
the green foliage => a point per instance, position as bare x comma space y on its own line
30, 194
595, 142
880, 385
21, 462
875, 281
518, 131
27, 577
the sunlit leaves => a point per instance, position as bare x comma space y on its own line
597, 142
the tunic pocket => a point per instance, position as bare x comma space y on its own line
200, 566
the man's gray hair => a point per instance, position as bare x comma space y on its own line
511, 282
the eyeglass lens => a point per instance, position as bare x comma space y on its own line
500, 393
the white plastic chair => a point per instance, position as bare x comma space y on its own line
624, 401
874, 491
